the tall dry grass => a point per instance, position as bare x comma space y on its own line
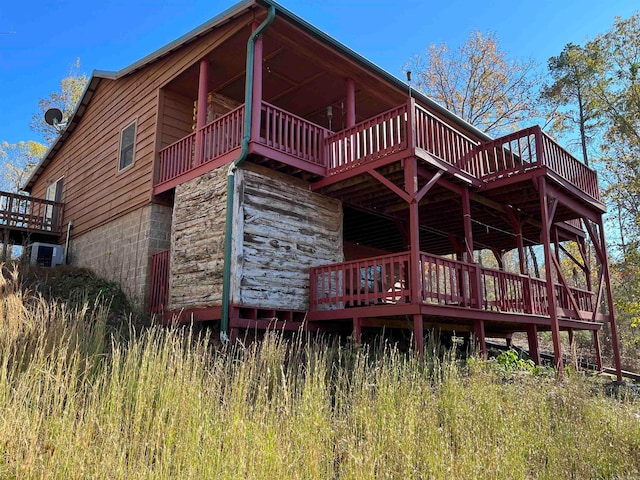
165, 404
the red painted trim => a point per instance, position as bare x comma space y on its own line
360, 169
265, 151
196, 172
196, 314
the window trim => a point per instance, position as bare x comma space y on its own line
133, 123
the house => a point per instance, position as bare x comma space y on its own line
257, 172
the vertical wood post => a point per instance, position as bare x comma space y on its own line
418, 333
411, 125
468, 229
5, 245
480, 338
256, 110
612, 319
411, 187
596, 346
357, 330
351, 103
201, 116
548, 267
532, 338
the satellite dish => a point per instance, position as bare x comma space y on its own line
53, 116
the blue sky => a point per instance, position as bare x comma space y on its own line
39, 40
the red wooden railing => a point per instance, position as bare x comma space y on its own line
526, 149
159, 294
443, 281
360, 282
441, 140
568, 167
448, 282
30, 213
505, 155
292, 135
374, 138
223, 135
218, 138
176, 159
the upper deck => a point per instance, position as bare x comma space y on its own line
327, 157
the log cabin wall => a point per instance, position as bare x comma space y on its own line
197, 241
281, 230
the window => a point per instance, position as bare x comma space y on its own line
127, 146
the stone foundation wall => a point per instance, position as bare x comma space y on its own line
121, 250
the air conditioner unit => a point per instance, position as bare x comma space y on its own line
46, 254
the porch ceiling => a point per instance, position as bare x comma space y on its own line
300, 75
376, 216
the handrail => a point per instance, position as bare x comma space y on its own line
443, 281
568, 167
291, 134
30, 213
518, 152
373, 138
219, 137
442, 140
375, 280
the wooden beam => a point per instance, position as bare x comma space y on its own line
423, 191
390, 185
548, 259
425, 173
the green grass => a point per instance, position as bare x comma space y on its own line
164, 404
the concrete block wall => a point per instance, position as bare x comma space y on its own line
121, 250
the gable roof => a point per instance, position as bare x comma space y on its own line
236, 10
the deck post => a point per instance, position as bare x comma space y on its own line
532, 338
357, 330
201, 116
351, 103
548, 263
5, 245
418, 333
596, 345
612, 320
480, 338
256, 109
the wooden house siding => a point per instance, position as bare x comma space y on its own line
95, 192
176, 119
285, 230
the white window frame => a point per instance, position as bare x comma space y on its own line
133, 146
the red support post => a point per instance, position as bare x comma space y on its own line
418, 333
357, 330
480, 338
596, 345
201, 115
548, 262
351, 103
468, 231
532, 337
612, 320
256, 108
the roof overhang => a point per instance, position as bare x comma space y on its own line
224, 17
